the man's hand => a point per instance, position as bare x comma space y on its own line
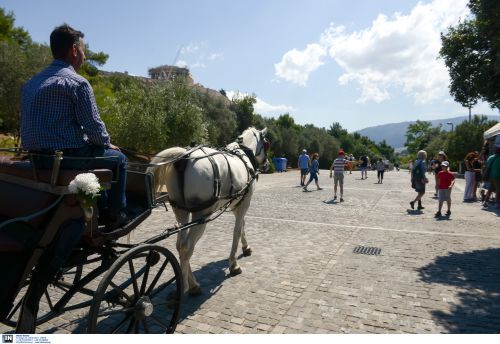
113, 147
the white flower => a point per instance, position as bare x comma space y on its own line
86, 183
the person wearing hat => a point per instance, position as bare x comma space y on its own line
446, 180
303, 164
338, 166
437, 168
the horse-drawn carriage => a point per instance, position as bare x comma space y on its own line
53, 249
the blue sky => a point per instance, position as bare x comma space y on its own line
360, 63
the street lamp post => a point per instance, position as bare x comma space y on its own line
449, 123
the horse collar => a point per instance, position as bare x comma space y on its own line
249, 153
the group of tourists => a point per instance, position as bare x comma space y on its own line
340, 166
479, 168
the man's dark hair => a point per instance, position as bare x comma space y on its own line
62, 39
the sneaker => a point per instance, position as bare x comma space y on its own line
485, 205
320, 188
341, 200
438, 214
305, 189
448, 213
335, 197
412, 205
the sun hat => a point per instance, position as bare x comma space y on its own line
445, 164
441, 153
304, 151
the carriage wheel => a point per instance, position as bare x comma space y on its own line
140, 293
64, 280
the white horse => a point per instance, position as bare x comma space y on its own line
202, 181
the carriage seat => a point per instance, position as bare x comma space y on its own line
23, 169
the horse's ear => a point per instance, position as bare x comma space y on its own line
264, 131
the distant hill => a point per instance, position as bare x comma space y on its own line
394, 133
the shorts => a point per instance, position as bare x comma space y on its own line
313, 176
419, 186
362, 168
304, 171
338, 177
444, 195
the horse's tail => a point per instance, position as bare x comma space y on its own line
169, 156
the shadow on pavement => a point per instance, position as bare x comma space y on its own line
477, 275
210, 278
414, 212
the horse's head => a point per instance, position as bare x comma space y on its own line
255, 141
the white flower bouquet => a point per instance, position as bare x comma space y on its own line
86, 187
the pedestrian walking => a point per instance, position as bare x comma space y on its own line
303, 164
314, 171
380, 170
418, 179
338, 167
470, 177
446, 181
437, 168
363, 166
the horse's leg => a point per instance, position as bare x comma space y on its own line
238, 233
182, 218
186, 247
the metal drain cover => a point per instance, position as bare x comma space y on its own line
373, 251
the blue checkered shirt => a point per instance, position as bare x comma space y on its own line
58, 111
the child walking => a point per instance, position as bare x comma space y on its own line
446, 180
314, 171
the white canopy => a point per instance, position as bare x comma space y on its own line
492, 132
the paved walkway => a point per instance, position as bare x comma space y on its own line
431, 276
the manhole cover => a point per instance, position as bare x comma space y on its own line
373, 251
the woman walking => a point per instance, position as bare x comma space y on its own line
470, 177
380, 170
418, 179
314, 171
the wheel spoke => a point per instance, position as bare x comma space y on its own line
14, 310
46, 293
158, 321
116, 311
131, 326
157, 277
121, 323
145, 325
118, 289
163, 286
134, 280
144, 279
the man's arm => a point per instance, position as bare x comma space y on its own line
88, 117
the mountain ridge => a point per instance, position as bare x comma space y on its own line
394, 133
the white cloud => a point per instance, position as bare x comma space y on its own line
197, 55
262, 107
400, 51
295, 66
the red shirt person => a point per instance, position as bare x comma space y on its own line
446, 181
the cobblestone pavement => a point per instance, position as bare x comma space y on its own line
431, 276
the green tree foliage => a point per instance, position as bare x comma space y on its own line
418, 136
150, 119
221, 120
243, 107
471, 51
467, 137
11, 34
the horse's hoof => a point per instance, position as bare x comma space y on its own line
195, 291
235, 271
247, 252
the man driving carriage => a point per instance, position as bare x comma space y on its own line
59, 113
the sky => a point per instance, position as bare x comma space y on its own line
359, 62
